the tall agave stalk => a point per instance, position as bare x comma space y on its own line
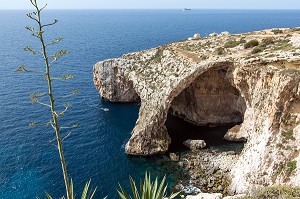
35, 97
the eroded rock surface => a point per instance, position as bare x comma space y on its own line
207, 82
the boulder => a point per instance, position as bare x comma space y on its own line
234, 134
195, 144
174, 157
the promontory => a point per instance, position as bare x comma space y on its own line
251, 80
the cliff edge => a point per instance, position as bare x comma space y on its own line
249, 79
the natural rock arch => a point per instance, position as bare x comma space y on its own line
150, 135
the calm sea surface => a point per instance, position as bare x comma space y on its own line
29, 164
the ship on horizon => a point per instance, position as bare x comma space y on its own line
186, 9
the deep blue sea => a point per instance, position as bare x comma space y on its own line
29, 164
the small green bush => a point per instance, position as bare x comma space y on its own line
291, 167
276, 192
251, 44
257, 50
288, 135
242, 41
277, 31
267, 41
203, 57
231, 44
220, 51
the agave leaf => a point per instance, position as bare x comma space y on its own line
124, 194
91, 197
173, 195
71, 190
154, 188
134, 189
164, 191
159, 192
48, 196
148, 182
85, 190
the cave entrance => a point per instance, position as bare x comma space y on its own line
205, 110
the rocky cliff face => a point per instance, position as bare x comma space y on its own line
213, 81
110, 80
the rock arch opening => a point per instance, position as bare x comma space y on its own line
206, 110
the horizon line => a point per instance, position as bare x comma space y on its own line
155, 9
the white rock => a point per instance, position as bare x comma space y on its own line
225, 33
206, 196
239, 196
174, 157
191, 190
195, 144
197, 36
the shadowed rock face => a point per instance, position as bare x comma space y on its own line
210, 100
192, 80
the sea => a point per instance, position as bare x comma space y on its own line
29, 161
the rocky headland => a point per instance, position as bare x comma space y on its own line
248, 80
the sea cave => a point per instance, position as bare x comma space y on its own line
205, 110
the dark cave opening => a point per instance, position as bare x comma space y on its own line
180, 130
206, 110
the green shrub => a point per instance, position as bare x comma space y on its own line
257, 50
220, 51
268, 41
231, 44
148, 189
288, 135
291, 167
277, 31
203, 57
275, 192
242, 41
251, 44
283, 44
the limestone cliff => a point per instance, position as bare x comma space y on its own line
219, 79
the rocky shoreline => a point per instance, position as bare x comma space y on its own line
250, 79
208, 171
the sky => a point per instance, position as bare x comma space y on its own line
155, 4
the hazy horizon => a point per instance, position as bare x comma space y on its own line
154, 4
155, 8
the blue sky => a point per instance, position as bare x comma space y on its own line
156, 4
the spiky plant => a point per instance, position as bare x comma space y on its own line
148, 189
86, 194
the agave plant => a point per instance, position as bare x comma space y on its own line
148, 189
86, 193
